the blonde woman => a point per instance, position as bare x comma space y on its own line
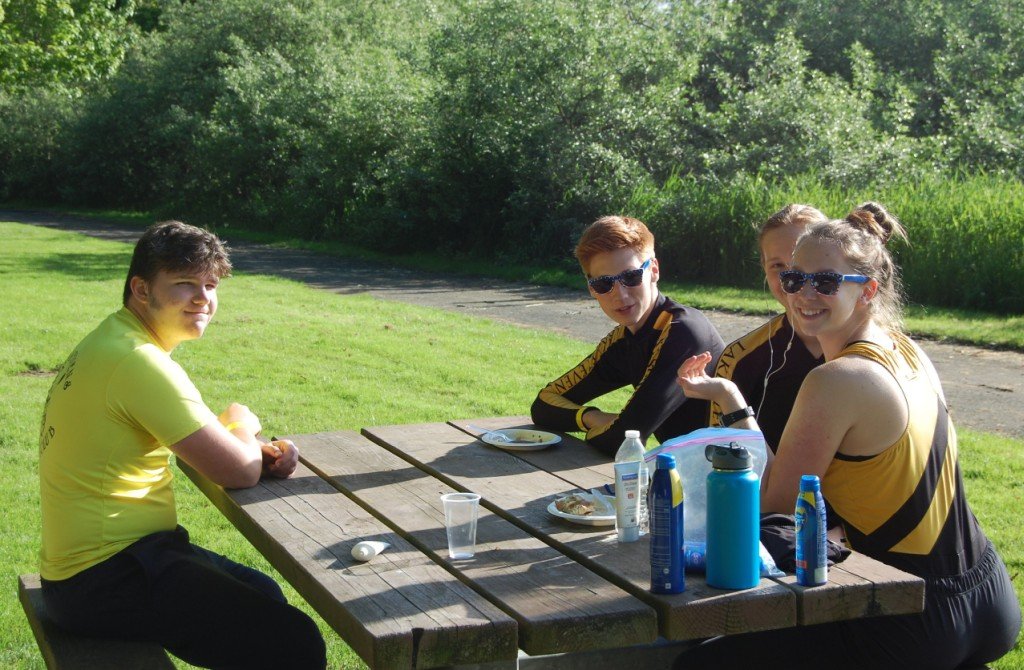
769, 363
872, 422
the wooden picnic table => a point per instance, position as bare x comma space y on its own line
540, 591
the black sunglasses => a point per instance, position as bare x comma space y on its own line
825, 283
628, 278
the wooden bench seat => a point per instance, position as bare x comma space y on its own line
62, 649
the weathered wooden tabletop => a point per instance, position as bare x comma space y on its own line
540, 591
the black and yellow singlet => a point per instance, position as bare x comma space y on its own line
906, 505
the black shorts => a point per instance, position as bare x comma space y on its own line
202, 607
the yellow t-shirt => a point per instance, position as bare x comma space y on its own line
116, 405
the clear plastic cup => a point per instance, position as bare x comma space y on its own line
460, 514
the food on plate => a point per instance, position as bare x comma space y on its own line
575, 504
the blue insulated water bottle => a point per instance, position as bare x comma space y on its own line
811, 534
734, 519
668, 572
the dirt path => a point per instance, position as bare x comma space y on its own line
983, 387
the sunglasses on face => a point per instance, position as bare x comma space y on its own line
628, 278
825, 283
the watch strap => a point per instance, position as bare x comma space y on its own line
732, 417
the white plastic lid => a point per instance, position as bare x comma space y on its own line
633, 434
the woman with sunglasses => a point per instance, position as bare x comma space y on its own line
872, 423
654, 335
769, 363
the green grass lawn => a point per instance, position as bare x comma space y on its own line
306, 361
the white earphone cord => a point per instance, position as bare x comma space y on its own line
771, 362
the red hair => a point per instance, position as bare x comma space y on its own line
611, 233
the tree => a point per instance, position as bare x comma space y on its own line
544, 115
64, 42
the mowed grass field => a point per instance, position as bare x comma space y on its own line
306, 361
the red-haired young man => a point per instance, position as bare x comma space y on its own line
653, 336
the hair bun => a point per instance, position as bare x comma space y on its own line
874, 219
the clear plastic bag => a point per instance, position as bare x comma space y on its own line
694, 558
693, 469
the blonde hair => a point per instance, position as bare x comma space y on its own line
862, 237
611, 233
790, 215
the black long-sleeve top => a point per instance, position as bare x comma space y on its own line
768, 365
649, 361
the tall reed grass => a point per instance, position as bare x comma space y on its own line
966, 233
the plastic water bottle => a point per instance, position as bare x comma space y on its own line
734, 519
631, 479
811, 534
668, 574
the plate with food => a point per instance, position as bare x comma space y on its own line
520, 439
589, 509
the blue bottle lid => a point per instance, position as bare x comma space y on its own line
810, 483
666, 462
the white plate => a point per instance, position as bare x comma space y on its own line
522, 439
595, 519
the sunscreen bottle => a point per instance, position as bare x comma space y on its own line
630, 489
666, 506
811, 534
367, 549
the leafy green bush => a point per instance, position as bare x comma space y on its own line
540, 121
501, 128
31, 136
262, 114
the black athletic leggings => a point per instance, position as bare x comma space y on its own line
202, 607
968, 620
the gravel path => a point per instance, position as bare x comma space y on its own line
983, 386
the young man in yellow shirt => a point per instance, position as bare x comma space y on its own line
114, 561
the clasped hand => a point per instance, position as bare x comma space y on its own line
280, 458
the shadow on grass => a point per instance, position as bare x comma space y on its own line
90, 266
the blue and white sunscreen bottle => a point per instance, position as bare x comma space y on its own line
668, 564
811, 534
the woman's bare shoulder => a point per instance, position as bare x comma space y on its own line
852, 376
843, 368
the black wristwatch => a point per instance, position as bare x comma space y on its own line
732, 417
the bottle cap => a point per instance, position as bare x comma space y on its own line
632, 434
666, 462
810, 483
732, 457
367, 549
